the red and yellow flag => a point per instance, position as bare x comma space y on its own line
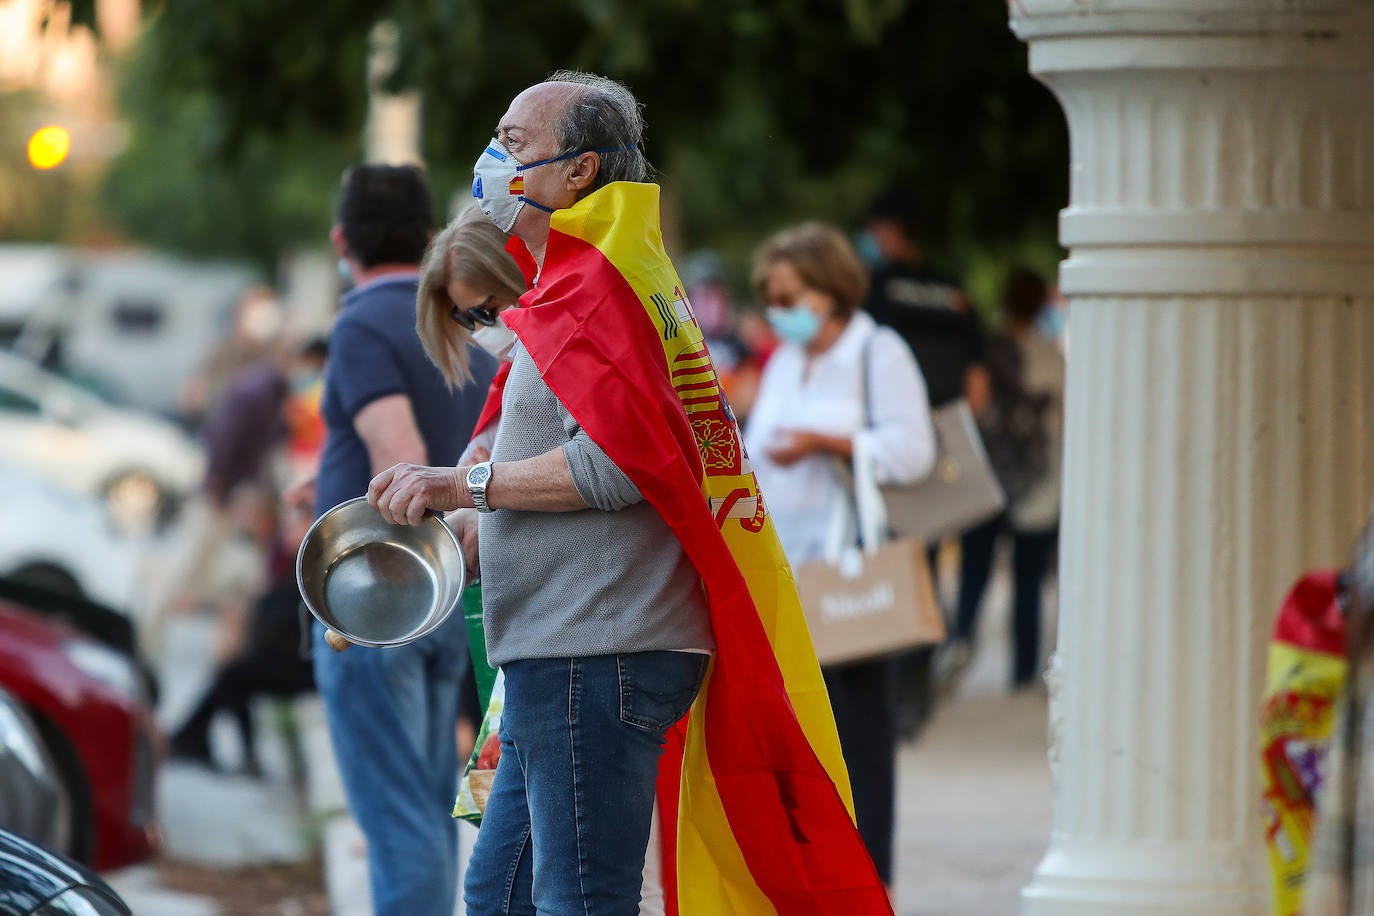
1307, 671
764, 820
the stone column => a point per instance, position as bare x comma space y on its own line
1220, 417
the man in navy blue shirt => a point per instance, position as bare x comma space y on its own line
393, 712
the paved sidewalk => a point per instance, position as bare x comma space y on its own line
973, 794
974, 803
141, 890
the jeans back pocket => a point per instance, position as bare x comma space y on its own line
657, 688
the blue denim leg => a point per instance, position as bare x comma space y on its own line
501, 868
585, 735
392, 715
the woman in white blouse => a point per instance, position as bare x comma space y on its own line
837, 379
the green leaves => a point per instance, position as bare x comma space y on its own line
759, 111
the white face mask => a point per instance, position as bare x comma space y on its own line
496, 339
498, 182
499, 186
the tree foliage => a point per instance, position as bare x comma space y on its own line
176, 187
760, 111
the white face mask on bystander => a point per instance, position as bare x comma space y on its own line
496, 339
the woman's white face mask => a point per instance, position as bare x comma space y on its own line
496, 339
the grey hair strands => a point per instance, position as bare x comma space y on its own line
601, 114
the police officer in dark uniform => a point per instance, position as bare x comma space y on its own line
934, 316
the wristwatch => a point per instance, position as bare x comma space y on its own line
479, 475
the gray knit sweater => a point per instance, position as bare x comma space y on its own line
609, 579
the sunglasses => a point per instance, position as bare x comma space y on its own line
482, 314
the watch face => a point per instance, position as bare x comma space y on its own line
479, 475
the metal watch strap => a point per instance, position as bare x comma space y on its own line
478, 491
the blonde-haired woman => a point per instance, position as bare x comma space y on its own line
466, 279
836, 379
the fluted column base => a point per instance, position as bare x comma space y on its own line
1087, 879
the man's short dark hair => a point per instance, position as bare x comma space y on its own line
385, 214
1023, 295
316, 348
897, 206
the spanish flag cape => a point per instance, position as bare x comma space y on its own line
753, 793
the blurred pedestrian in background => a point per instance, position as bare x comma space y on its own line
927, 308
271, 662
256, 322
305, 430
393, 712
1023, 429
224, 565
1053, 322
756, 336
737, 362
812, 406
252, 417
703, 277
935, 318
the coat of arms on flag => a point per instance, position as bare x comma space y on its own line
675, 313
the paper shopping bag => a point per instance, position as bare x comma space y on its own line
867, 604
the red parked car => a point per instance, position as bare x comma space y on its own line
91, 705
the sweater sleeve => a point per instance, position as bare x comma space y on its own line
599, 481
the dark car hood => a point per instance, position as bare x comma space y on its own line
30, 874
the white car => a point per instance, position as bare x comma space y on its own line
55, 430
69, 543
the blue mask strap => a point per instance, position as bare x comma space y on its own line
536, 205
529, 165
606, 149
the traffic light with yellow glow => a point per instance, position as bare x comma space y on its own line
48, 147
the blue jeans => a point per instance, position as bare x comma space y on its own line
392, 717
568, 819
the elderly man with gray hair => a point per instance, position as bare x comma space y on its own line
591, 607
625, 549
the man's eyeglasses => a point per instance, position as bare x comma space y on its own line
482, 314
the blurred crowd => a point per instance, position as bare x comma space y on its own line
786, 356
815, 291
255, 405
864, 344
842, 338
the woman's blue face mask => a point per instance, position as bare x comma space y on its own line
796, 324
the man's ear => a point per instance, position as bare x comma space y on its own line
336, 236
582, 174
